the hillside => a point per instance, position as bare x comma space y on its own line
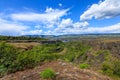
85, 59
64, 71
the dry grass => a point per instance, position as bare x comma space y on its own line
25, 45
111, 40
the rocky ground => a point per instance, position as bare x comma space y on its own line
64, 71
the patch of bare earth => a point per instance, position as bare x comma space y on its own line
64, 71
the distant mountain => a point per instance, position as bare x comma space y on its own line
41, 36
93, 35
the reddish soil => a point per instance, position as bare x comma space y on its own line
64, 71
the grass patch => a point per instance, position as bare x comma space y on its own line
111, 67
48, 74
84, 66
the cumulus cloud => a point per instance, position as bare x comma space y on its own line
17, 23
105, 9
66, 23
33, 32
49, 22
49, 18
11, 28
50, 14
38, 26
60, 4
106, 29
68, 26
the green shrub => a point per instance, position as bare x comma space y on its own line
69, 57
48, 74
100, 52
8, 55
117, 67
84, 65
107, 68
111, 67
74, 51
3, 70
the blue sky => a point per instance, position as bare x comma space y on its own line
56, 17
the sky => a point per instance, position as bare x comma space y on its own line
58, 17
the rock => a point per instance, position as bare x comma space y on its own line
57, 73
63, 64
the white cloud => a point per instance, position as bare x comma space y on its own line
48, 19
38, 26
17, 23
68, 26
105, 9
11, 28
74, 30
66, 23
50, 14
81, 24
33, 32
107, 29
60, 4
49, 32
52, 22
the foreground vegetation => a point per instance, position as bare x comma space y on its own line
84, 56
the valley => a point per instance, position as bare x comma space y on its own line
77, 59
